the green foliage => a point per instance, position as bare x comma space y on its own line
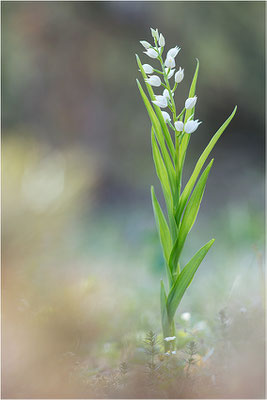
169, 157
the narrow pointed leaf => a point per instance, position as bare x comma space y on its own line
189, 218
163, 229
184, 279
190, 184
163, 178
158, 111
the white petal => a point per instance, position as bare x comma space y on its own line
174, 51
166, 116
169, 62
161, 40
145, 44
191, 126
179, 76
147, 68
153, 80
170, 73
190, 102
155, 33
166, 93
160, 101
179, 126
151, 53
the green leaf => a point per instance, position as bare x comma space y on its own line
190, 184
189, 218
184, 279
158, 111
160, 138
165, 184
163, 229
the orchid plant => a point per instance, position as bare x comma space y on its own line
170, 135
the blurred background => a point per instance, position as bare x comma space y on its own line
81, 261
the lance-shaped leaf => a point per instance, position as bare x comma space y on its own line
188, 114
166, 327
160, 138
158, 111
163, 178
190, 184
163, 230
189, 217
184, 279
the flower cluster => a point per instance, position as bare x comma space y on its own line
166, 99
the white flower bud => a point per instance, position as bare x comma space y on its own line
173, 52
145, 44
166, 93
155, 33
169, 62
151, 53
166, 116
191, 126
170, 74
147, 68
190, 102
161, 40
179, 76
153, 80
160, 101
179, 126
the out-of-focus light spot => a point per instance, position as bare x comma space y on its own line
42, 186
186, 316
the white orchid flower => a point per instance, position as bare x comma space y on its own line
170, 74
166, 93
155, 33
190, 102
161, 40
179, 76
169, 338
169, 62
166, 116
191, 125
145, 44
153, 80
179, 126
160, 101
173, 52
147, 68
152, 53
